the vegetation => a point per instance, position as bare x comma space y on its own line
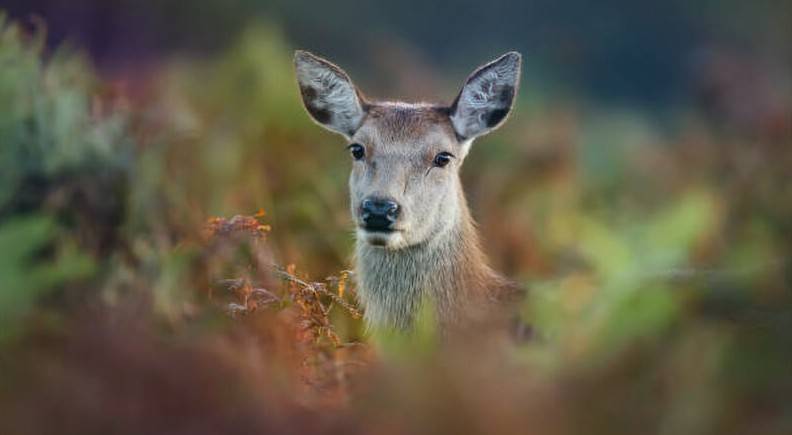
142, 292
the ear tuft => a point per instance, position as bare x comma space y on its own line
328, 94
487, 97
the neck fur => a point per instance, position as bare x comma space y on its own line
448, 271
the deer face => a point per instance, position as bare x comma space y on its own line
404, 186
404, 183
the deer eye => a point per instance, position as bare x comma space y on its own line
442, 159
357, 151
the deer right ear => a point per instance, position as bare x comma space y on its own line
328, 94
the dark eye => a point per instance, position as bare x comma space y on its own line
442, 159
357, 151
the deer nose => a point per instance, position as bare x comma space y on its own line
379, 214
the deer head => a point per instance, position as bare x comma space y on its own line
405, 188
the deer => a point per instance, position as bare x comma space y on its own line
416, 241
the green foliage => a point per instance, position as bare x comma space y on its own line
421, 342
51, 136
25, 277
623, 297
49, 122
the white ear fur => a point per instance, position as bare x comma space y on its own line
328, 94
487, 97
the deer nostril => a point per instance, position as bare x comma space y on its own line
392, 209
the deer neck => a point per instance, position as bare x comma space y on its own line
447, 271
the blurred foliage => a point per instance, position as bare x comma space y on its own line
657, 255
51, 150
24, 278
235, 137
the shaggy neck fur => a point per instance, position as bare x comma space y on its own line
449, 271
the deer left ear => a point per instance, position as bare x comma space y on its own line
487, 97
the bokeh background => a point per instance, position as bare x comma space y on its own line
640, 190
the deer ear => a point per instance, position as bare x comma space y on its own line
487, 97
328, 94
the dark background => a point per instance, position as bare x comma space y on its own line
650, 53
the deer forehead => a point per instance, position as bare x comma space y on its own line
408, 129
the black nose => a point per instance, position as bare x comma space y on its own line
379, 214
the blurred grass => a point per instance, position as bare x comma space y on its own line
657, 256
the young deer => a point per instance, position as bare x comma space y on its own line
416, 240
